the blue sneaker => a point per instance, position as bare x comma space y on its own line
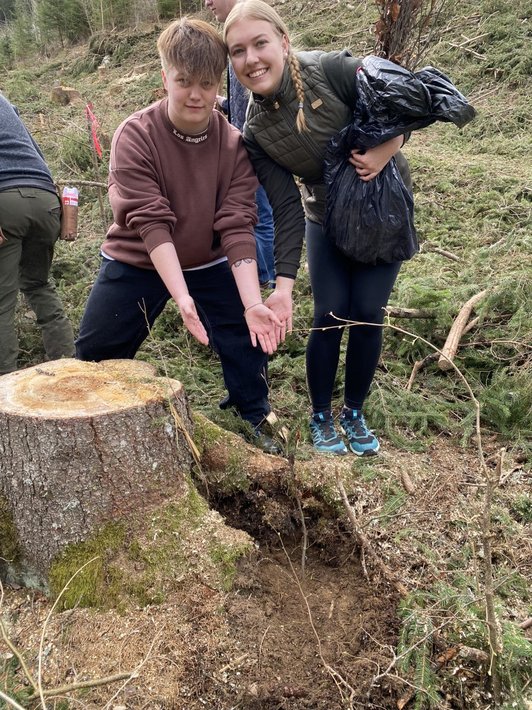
362, 441
325, 438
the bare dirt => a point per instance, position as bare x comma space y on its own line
279, 639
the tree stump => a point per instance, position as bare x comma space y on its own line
83, 444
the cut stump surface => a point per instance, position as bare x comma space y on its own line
82, 444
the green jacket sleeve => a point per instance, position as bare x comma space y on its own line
285, 199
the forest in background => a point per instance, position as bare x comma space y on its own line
473, 199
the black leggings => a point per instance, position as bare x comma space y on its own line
352, 291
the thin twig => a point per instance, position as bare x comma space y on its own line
64, 689
10, 701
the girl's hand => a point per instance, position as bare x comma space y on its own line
195, 327
263, 327
280, 302
370, 162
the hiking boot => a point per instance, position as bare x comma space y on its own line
362, 441
262, 440
325, 438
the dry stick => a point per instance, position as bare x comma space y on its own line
491, 618
472, 324
89, 183
397, 312
365, 545
418, 366
441, 252
10, 701
453, 338
63, 689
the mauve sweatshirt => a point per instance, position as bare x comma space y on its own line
197, 192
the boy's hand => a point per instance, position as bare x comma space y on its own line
263, 326
190, 317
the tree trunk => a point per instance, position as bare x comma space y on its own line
82, 444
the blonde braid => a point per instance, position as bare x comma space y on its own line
295, 73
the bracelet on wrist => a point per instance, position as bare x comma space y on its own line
259, 303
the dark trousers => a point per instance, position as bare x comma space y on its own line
353, 291
30, 222
125, 301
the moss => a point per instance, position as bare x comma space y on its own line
143, 565
206, 433
9, 546
225, 557
98, 584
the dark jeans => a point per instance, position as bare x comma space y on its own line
356, 292
125, 301
30, 221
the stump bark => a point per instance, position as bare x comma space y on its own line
82, 444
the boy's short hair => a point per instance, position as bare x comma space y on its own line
194, 47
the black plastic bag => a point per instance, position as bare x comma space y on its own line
372, 221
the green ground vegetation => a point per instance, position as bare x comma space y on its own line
473, 199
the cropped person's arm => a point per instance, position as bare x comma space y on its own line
289, 221
166, 262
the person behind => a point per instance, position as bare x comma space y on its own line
234, 106
181, 189
298, 102
30, 215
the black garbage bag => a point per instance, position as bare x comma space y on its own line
373, 221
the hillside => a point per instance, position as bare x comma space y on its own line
342, 635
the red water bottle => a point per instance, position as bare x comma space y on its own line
69, 217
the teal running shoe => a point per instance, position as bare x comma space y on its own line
362, 441
325, 438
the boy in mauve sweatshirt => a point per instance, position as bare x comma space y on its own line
182, 193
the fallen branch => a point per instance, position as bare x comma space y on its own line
442, 252
64, 689
451, 344
418, 366
526, 624
396, 312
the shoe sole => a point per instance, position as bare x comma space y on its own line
342, 452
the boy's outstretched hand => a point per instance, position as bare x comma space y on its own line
263, 327
190, 317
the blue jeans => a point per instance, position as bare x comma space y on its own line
125, 301
264, 238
